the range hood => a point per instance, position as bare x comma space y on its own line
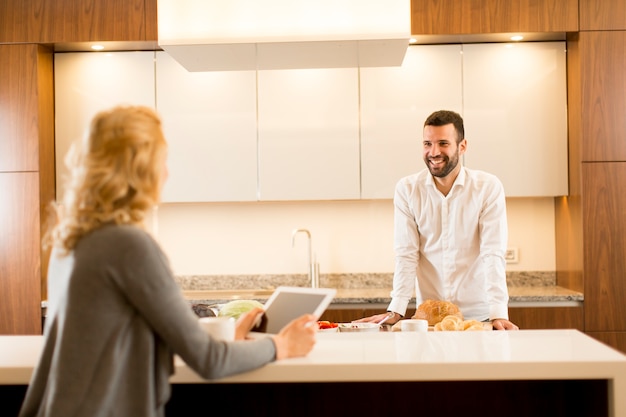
233, 35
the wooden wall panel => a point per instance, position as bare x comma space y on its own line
152, 32
20, 306
604, 230
569, 242
45, 127
617, 340
442, 17
524, 317
603, 100
547, 317
26, 178
529, 15
18, 100
346, 315
602, 14
49, 21
432, 17
568, 210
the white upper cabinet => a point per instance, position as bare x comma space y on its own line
209, 120
86, 83
395, 101
515, 111
331, 134
308, 123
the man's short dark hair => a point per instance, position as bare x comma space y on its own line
445, 117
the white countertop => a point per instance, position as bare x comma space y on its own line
397, 356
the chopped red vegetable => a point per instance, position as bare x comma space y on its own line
324, 324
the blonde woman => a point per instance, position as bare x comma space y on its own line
115, 314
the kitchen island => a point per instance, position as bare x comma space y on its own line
529, 372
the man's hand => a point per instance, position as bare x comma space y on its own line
503, 324
377, 318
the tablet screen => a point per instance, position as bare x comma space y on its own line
288, 303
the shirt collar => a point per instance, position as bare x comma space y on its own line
460, 179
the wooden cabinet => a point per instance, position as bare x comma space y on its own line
19, 143
347, 314
337, 315
86, 83
602, 15
616, 340
453, 17
49, 21
515, 111
20, 281
525, 317
602, 63
591, 247
308, 121
604, 245
26, 182
395, 101
209, 120
547, 317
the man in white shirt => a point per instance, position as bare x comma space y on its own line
450, 231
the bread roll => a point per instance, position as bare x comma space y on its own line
450, 323
455, 323
471, 325
436, 310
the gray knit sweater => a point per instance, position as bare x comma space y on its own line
115, 318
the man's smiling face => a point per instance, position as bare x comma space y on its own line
441, 152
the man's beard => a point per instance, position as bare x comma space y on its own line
448, 166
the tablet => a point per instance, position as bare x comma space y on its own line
288, 303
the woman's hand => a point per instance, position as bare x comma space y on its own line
246, 322
297, 338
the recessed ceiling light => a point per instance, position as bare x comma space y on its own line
97, 47
412, 40
517, 38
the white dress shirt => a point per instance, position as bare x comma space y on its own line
451, 247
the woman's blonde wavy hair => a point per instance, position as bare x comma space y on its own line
116, 175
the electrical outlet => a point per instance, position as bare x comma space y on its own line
512, 256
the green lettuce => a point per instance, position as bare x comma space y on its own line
236, 308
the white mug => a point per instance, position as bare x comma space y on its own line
414, 325
222, 328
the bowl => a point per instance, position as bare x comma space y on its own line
359, 327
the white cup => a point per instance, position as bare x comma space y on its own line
414, 325
222, 328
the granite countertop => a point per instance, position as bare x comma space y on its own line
381, 295
537, 288
525, 288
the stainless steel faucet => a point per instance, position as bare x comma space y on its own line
314, 268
